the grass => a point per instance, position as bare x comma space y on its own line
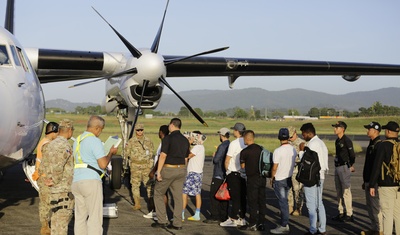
260, 127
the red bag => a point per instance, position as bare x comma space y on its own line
223, 192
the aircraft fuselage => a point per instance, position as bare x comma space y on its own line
21, 104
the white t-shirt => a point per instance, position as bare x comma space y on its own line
196, 163
157, 154
285, 157
317, 145
234, 149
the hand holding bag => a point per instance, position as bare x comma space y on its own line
223, 192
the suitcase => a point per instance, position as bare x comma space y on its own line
110, 210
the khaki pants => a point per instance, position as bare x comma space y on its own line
390, 206
88, 207
343, 189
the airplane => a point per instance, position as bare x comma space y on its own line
134, 80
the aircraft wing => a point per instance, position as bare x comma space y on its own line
66, 65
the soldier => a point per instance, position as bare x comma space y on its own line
296, 194
58, 170
140, 151
44, 202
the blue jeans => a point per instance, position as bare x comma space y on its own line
315, 206
281, 188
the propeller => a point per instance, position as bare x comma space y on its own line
145, 84
154, 49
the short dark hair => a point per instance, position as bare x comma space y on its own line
164, 129
176, 122
248, 132
308, 127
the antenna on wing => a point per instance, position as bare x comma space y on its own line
9, 21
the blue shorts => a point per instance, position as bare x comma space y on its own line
192, 184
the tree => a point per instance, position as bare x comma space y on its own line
240, 113
313, 112
183, 112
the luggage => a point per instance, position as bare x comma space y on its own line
110, 210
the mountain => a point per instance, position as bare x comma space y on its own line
299, 99
67, 105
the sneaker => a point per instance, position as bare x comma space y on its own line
338, 217
296, 213
194, 218
260, 227
248, 228
241, 222
228, 223
150, 215
280, 230
347, 218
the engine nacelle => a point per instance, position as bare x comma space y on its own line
131, 92
109, 105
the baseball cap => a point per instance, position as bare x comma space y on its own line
239, 127
292, 130
223, 131
139, 126
283, 134
340, 124
373, 125
391, 126
66, 123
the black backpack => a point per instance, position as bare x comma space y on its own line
309, 168
265, 163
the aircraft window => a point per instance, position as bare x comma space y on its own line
4, 59
23, 60
14, 53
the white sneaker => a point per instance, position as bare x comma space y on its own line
280, 230
150, 215
228, 223
241, 222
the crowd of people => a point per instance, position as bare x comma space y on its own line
70, 177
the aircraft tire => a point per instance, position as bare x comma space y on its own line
115, 180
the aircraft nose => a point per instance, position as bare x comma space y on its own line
7, 109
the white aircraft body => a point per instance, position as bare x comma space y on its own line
134, 81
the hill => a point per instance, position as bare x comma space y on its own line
299, 99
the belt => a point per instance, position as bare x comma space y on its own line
173, 166
340, 164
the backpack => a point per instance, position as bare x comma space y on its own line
393, 168
309, 167
265, 163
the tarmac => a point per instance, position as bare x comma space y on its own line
19, 208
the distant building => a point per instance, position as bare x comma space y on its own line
290, 117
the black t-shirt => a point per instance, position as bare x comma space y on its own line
344, 151
250, 156
176, 146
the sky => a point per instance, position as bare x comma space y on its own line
347, 31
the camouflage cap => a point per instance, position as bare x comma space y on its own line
139, 126
292, 130
66, 123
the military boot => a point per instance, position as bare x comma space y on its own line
137, 203
45, 229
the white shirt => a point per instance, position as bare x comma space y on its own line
196, 163
234, 149
317, 145
285, 157
157, 154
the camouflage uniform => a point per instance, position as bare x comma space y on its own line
295, 203
140, 152
59, 168
44, 192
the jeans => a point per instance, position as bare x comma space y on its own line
237, 190
315, 206
256, 199
281, 188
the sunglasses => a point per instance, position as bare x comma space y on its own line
139, 129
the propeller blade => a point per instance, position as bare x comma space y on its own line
171, 61
154, 47
9, 21
184, 102
129, 71
135, 52
145, 84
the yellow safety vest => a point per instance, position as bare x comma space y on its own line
80, 163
